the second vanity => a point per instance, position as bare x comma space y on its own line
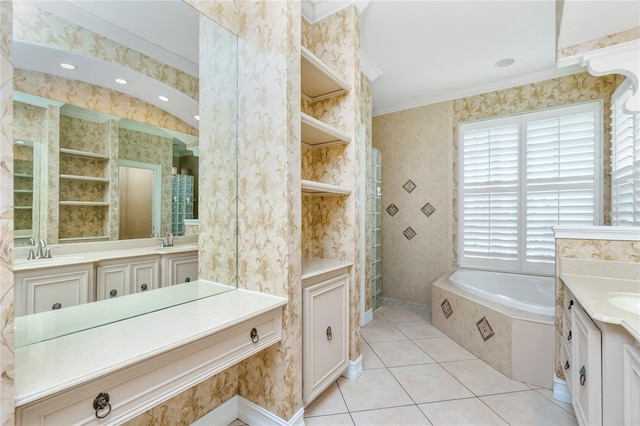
83, 273
600, 346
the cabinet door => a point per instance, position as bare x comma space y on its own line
55, 291
325, 339
587, 368
631, 373
113, 280
144, 276
181, 269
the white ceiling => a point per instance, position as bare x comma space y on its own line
429, 51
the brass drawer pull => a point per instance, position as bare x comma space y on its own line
329, 333
254, 335
101, 403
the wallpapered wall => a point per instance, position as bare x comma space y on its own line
421, 145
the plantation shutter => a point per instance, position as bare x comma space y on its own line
561, 181
490, 195
625, 161
521, 175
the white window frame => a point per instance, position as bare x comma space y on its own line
521, 265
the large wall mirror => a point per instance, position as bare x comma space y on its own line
108, 140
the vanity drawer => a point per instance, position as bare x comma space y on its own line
135, 389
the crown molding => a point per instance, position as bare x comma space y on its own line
316, 10
477, 90
34, 100
368, 67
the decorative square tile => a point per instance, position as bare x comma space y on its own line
447, 310
392, 209
409, 186
428, 209
409, 233
485, 329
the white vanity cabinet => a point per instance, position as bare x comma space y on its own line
120, 277
179, 268
631, 385
43, 289
325, 337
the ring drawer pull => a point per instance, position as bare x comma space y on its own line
566, 365
570, 304
143, 287
56, 306
583, 375
254, 335
101, 403
113, 293
569, 335
186, 280
329, 333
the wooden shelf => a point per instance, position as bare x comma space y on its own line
23, 207
316, 134
23, 191
23, 175
319, 189
85, 154
84, 203
318, 80
84, 178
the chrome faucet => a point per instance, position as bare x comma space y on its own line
42, 252
167, 242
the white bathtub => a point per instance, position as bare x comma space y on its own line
535, 294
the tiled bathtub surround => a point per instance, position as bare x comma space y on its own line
520, 346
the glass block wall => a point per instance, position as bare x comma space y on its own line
182, 206
376, 227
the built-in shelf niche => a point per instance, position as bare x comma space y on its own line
319, 189
318, 80
317, 134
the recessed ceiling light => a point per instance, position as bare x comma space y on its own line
121, 81
197, 117
506, 62
163, 98
68, 66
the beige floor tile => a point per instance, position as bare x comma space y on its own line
429, 382
418, 329
528, 408
329, 402
461, 412
381, 330
482, 379
333, 420
443, 349
369, 358
548, 393
372, 390
400, 315
398, 416
402, 352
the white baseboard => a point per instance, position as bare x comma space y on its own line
367, 318
222, 415
561, 390
354, 369
250, 413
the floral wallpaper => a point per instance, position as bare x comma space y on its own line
599, 43
7, 404
26, 122
607, 250
36, 26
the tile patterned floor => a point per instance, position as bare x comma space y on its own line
415, 375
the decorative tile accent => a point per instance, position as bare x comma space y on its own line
409, 233
485, 329
428, 209
409, 186
392, 209
447, 310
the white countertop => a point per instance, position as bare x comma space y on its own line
313, 267
42, 369
592, 293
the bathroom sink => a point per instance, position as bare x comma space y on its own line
50, 261
626, 301
178, 247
